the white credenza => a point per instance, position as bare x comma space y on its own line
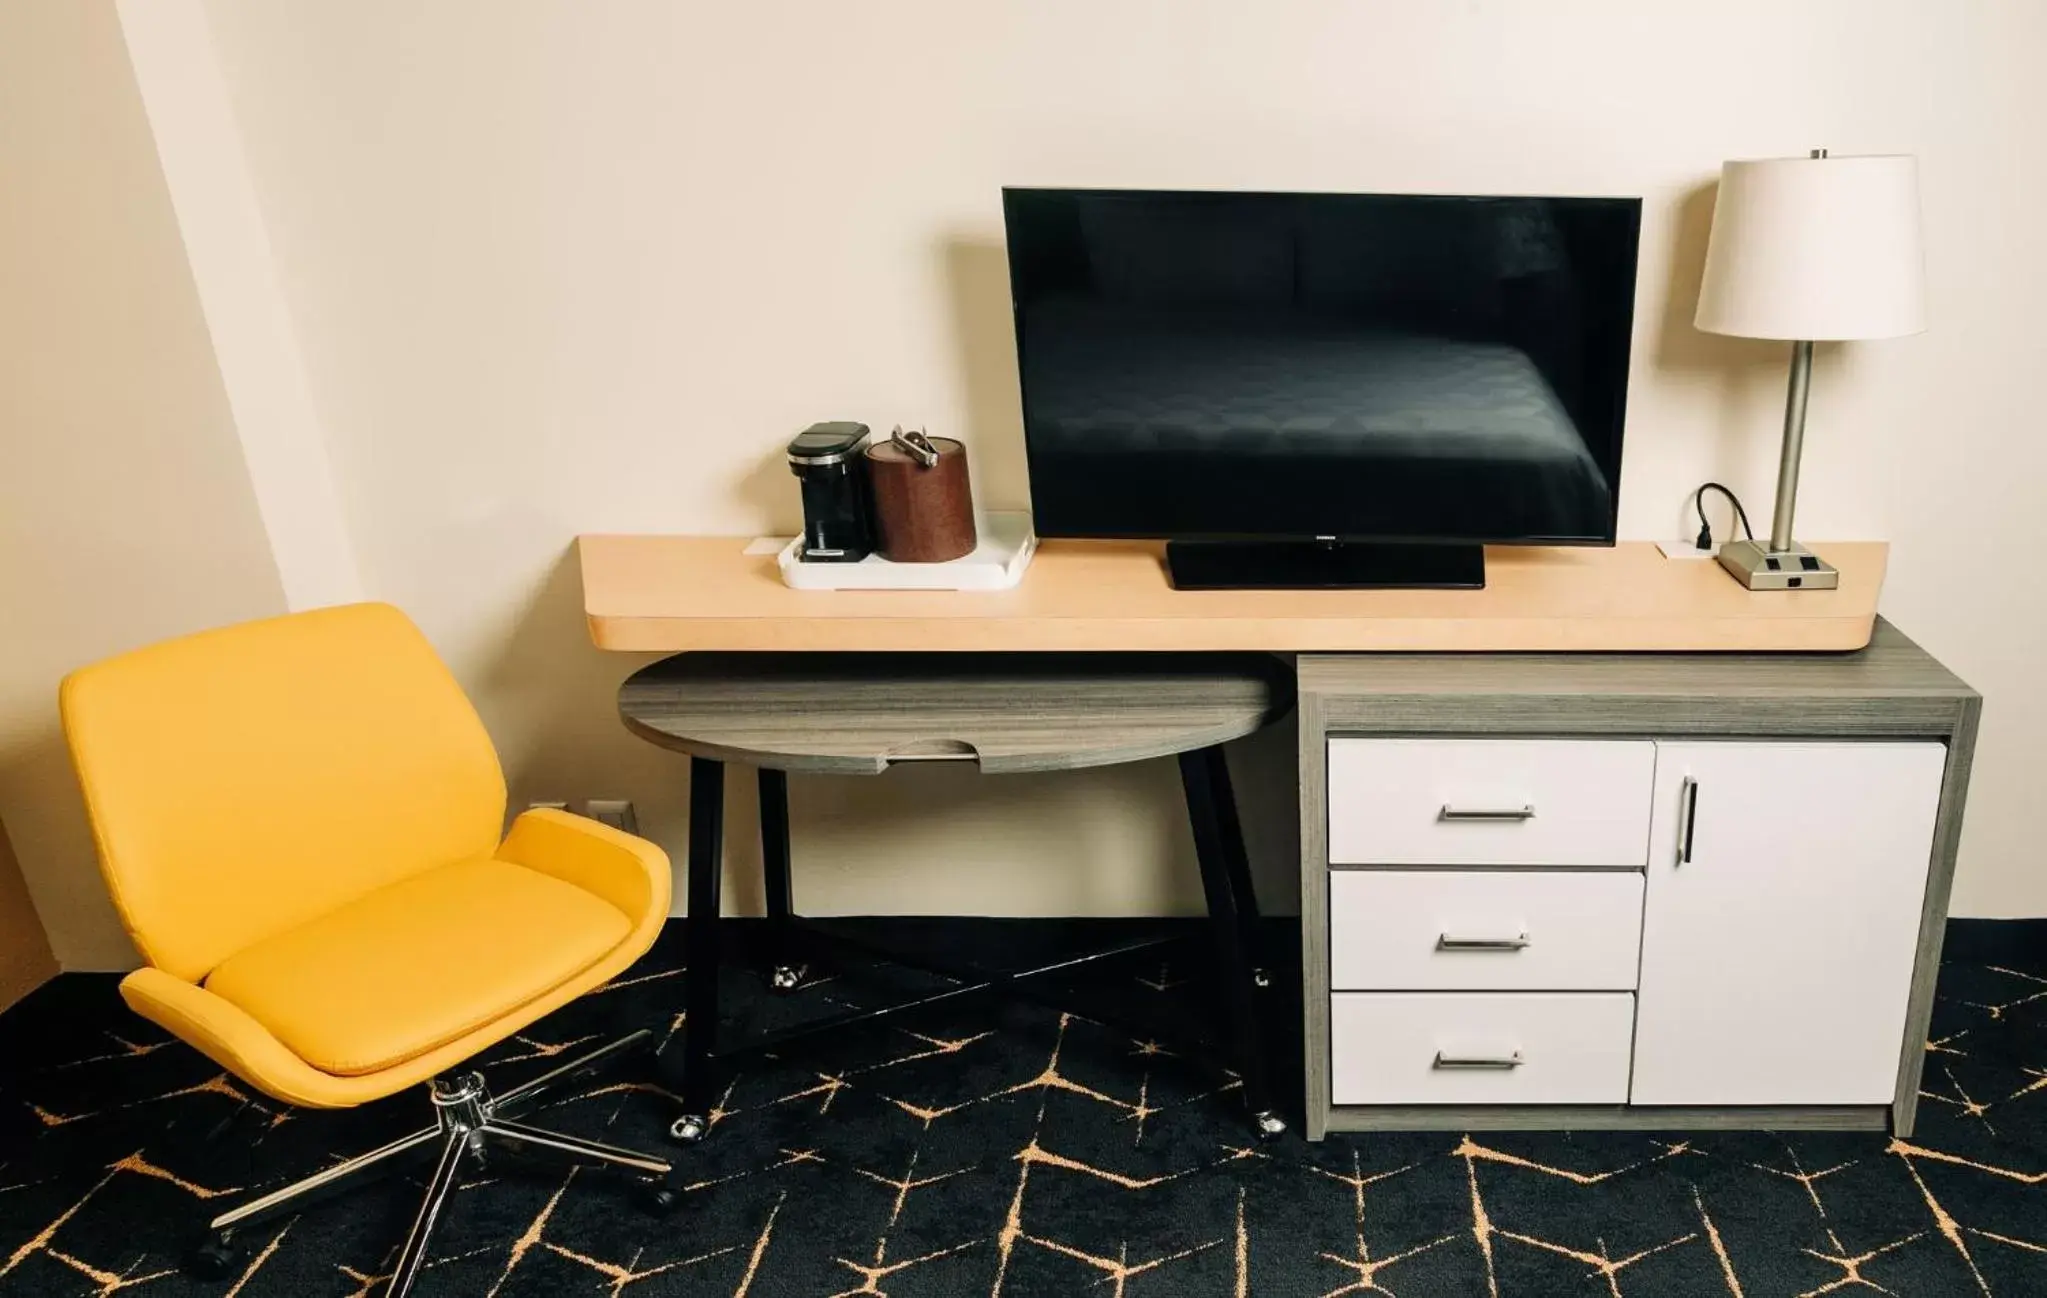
1625, 890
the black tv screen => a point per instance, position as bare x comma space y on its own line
1357, 366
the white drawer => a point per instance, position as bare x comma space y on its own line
1480, 1047
1489, 801
1484, 930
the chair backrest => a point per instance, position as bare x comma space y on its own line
245, 780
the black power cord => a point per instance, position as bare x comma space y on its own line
1705, 528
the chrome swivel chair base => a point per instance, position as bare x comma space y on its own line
468, 1121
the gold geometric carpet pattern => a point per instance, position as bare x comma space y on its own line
1018, 1152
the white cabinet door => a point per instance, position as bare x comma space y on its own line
1777, 951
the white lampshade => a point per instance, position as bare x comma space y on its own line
1816, 249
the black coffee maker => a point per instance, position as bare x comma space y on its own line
830, 464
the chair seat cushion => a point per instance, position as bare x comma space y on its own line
418, 963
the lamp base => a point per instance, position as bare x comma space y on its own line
1756, 566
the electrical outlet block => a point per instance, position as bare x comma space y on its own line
615, 812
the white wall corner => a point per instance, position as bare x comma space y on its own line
206, 169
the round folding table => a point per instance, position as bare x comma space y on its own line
861, 714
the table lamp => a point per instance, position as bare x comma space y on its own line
1810, 249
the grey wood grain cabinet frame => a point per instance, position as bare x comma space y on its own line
1891, 691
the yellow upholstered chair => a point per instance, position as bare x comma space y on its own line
299, 823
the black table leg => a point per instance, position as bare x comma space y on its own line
1237, 860
1215, 841
784, 973
701, 933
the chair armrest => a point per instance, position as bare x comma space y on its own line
630, 873
226, 1034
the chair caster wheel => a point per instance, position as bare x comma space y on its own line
658, 1199
213, 1258
1270, 1125
785, 978
1261, 978
689, 1129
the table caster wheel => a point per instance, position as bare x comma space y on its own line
1261, 978
1270, 1125
658, 1199
785, 978
689, 1129
213, 1258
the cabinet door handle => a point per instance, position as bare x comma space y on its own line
1688, 818
1445, 942
1484, 813
1446, 1060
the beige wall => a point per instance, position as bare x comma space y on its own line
557, 267
560, 267
125, 508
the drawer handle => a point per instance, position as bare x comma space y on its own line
1445, 942
1444, 1060
1486, 813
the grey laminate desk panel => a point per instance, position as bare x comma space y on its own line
1603, 1117
845, 714
1892, 664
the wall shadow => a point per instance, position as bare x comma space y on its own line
1741, 380
48, 824
770, 492
1680, 345
984, 352
1265, 775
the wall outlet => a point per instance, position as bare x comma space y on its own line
615, 812
552, 805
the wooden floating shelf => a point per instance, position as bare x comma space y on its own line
675, 593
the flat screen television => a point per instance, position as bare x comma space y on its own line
1323, 389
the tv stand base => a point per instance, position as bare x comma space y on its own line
1323, 565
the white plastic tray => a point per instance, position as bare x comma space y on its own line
997, 563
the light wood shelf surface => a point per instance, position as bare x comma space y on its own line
675, 593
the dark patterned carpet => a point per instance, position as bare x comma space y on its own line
1010, 1151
